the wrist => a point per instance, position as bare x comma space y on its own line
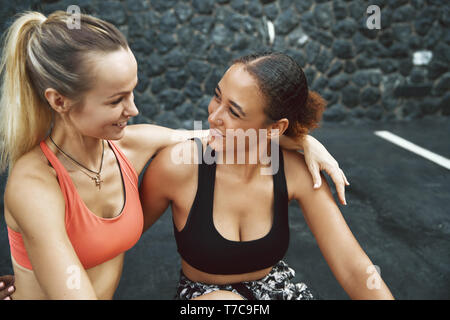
304, 141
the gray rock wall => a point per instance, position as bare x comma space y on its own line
399, 72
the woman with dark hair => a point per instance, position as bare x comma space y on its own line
230, 220
71, 201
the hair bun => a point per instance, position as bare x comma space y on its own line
310, 114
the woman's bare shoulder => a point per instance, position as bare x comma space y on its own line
294, 162
298, 178
145, 137
177, 161
32, 164
30, 181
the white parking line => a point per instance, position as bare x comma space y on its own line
440, 160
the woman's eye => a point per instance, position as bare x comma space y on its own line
117, 101
234, 113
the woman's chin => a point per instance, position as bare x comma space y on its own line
114, 135
216, 144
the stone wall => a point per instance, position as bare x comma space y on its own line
398, 72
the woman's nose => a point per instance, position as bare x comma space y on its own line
215, 117
131, 110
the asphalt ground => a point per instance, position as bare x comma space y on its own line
398, 210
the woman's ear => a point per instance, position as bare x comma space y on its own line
57, 101
278, 128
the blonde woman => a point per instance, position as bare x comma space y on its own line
71, 202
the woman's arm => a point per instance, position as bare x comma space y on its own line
142, 141
163, 178
347, 260
37, 206
318, 158
153, 192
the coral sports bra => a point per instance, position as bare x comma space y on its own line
94, 239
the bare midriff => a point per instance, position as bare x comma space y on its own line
196, 275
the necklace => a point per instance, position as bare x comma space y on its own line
97, 179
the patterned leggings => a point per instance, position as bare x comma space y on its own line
274, 286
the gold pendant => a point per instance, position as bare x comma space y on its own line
98, 181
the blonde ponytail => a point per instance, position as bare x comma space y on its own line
24, 118
40, 53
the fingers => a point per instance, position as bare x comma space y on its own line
340, 188
345, 178
7, 280
6, 291
6, 287
336, 174
339, 179
315, 173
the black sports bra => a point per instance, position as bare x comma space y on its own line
204, 248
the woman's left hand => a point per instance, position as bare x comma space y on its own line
6, 287
318, 158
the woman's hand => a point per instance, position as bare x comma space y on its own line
6, 287
318, 158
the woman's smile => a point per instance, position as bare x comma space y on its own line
121, 125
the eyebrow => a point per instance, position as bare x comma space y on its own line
238, 107
123, 92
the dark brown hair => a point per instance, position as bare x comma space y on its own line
284, 84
